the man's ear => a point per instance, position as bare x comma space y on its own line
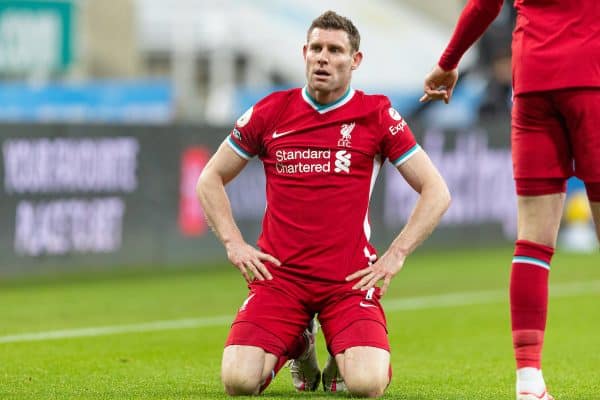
356, 59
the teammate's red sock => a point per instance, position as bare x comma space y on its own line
529, 301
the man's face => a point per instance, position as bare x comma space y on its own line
329, 60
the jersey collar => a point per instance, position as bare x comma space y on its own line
323, 108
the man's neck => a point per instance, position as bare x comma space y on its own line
324, 97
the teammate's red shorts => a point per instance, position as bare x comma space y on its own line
555, 135
276, 312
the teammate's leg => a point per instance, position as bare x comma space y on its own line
538, 218
581, 108
542, 162
596, 214
244, 369
538, 222
593, 192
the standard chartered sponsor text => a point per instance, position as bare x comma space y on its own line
295, 161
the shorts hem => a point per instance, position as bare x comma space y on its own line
334, 350
376, 345
278, 350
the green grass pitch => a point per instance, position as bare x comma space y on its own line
447, 315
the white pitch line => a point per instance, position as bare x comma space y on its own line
484, 297
411, 303
115, 329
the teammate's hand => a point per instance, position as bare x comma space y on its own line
439, 85
385, 268
249, 261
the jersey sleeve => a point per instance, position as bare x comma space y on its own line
398, 143
246, 136
473, 21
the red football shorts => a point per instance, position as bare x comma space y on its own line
555, 135
276, 312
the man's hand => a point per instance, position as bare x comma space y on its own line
385, 268
439, 85
249, 261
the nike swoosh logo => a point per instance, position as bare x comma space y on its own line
280, 134
366, 305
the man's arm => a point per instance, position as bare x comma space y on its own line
473, 21
223, 166
434, 200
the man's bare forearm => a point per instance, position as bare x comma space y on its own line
217, 208
433, 202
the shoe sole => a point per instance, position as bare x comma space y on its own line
531, 396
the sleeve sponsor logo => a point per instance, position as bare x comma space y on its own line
395, 114
236, 134
399, 127
245, 118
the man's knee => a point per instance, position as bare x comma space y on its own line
366, 371
239, 382
539, 218
366, 384
242, 369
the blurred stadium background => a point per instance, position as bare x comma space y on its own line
109, 109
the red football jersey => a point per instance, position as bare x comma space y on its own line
556, 43
321, 162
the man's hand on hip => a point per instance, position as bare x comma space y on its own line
384, 269
250, 261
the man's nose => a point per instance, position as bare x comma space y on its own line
322, 58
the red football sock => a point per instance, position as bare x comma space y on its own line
529, 301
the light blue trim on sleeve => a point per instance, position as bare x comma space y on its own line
239, 151
404, 157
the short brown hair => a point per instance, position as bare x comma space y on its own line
332, 20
